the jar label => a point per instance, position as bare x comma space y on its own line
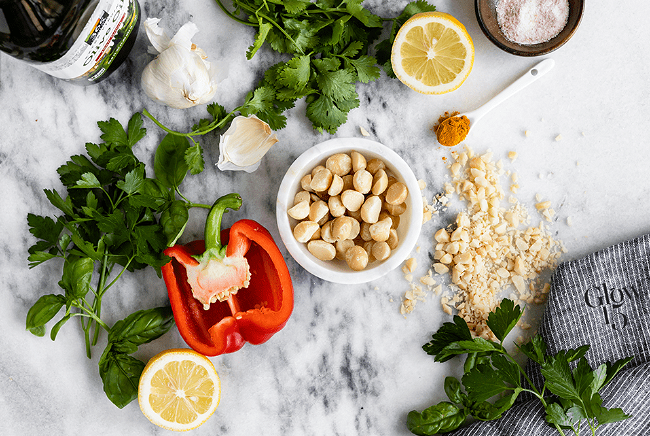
99, 42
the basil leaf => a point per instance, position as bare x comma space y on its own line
440, 418
43, 311
453, 391
142, 326
485, 411
77, 276
155, 189
173, 220
58, 325
120, 375
169, 162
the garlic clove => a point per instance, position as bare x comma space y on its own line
244, 144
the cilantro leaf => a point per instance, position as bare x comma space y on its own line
260, 37
338, 85
504, 318
295, 73
303, 35
352, 49
365, 16
325, 114
366, 68
295, 6
194, 159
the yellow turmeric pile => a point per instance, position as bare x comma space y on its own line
451, 129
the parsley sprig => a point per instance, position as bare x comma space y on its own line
113, 219
570, 394
328, 45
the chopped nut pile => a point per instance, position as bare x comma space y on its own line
486, 250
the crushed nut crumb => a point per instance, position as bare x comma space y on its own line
487, 251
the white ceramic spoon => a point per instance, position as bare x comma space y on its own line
529, 77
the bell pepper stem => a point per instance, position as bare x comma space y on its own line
212, 234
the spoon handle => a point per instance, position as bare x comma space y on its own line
529, 77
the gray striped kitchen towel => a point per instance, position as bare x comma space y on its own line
602, 300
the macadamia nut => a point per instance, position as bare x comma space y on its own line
349, 209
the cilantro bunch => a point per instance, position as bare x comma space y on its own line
570, 394
326, 45
113, 219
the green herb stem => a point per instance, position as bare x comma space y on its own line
232, 16
190, 135
89, 313
101, 288
267, 18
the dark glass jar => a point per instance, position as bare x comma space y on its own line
82, 41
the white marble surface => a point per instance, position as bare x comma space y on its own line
347, 362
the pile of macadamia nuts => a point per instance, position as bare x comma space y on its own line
349, 210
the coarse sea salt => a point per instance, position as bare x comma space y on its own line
529, 22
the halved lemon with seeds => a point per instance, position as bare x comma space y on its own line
432, 53
179, 389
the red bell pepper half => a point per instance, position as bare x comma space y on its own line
223, 296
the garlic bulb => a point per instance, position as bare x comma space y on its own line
244, 144
179, 76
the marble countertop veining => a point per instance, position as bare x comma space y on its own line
347, 362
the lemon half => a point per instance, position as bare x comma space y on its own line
179, 389
432, 53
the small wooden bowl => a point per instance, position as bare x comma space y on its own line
487, 19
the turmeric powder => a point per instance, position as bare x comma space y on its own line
451, 129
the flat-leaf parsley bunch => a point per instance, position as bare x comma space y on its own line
113, 219
570, 395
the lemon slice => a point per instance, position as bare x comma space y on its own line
179, 389
432, 53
